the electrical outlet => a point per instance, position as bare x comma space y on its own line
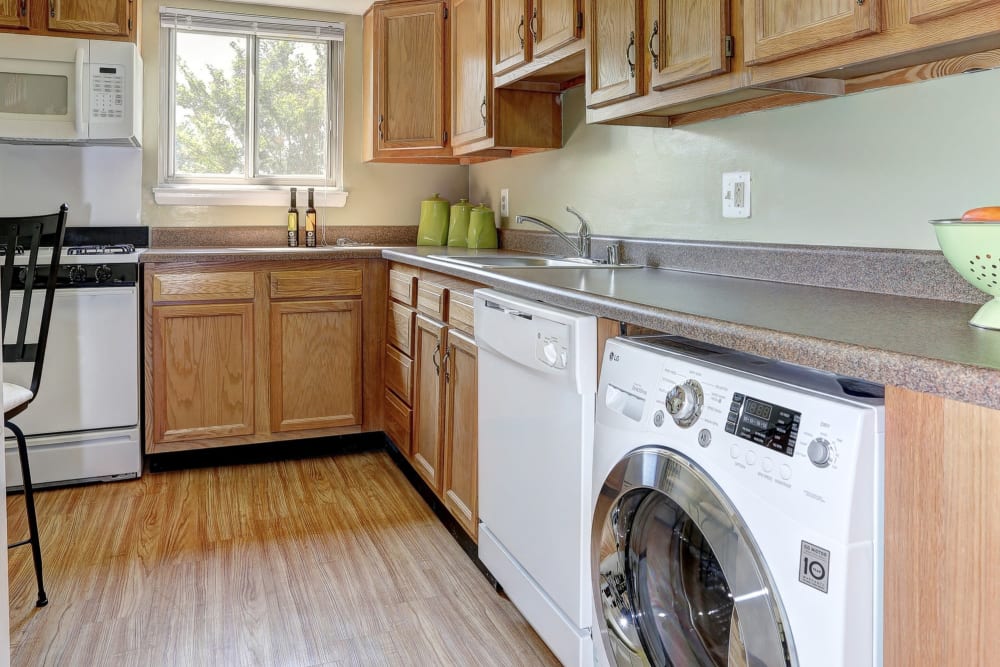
736, 194
504, 203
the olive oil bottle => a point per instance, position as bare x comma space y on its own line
311, 222
293, 223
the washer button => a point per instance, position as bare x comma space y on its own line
734, 451
751, 458
766, 465
704, 437
785, 470
658, 418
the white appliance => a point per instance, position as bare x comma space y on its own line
84, 423
77, 91
738, 510
537, 377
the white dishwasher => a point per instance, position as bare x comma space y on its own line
537, 382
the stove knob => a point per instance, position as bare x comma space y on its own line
102, 273
820, 452
22, 275
77, 273
684, 403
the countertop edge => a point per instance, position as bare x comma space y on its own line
888, 367
207, 254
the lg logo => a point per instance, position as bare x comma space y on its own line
613, 357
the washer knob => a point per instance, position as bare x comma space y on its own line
684, 403
77, 274
820, 452
102, 273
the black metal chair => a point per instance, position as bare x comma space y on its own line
28, 233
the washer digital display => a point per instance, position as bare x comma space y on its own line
763, 423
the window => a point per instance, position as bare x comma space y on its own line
250, 106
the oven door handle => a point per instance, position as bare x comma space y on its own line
81, 131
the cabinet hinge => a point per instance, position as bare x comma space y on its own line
579, 20
729, 46
445, 13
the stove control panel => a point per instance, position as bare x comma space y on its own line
82, 275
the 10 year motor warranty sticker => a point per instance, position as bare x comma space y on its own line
814, 566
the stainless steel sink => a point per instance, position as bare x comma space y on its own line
526, 262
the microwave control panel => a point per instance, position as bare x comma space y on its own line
107, 92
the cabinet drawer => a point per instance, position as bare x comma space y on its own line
402, 286
399, 327
432, 299
460, 311
398, 421
399, 373
203, 286
299, 283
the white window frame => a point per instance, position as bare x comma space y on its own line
191, 190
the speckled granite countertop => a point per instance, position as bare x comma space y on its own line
259, 254
920, 344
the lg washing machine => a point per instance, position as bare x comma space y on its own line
738, 510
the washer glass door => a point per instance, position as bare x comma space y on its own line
677, 575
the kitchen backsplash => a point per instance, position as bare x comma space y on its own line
101, 185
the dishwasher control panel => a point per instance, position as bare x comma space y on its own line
552, 344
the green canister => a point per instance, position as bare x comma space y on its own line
458, 229
433, 229
482, 228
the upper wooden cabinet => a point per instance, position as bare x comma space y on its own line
687, 41
511, 46
406, 92
539, 43
777, 29
95, 19
926, 10
554, 24
616, 56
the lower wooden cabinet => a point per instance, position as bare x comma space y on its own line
428, 416
460, 467
202, 367
247, 352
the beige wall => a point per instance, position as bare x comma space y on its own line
378, 194
867, 170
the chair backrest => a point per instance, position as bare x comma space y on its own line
30, 233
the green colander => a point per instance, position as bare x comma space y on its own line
973, 249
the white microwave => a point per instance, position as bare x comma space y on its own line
57, 90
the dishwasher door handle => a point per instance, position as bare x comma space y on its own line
493, 305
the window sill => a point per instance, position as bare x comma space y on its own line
221, 195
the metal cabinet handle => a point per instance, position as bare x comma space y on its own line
381, 119
628, 51
482, 110
444, 364
434, 359
520, 31
52, 9
533, 25
652, 41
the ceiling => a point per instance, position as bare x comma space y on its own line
339, 6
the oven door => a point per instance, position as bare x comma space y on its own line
678, 579
90, 379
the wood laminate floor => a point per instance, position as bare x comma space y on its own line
321, 561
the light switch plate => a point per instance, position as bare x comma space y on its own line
736, 194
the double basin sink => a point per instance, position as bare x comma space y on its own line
528, 262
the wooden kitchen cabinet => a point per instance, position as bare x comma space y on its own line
406, 93
487, 121
538, 44
460, 466
777, 29
554, 24
511, 47
927, 10
91, 19
428, 399
686, 41
615, 54
250, 352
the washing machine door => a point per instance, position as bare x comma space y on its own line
678, 579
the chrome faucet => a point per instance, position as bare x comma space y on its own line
582, 243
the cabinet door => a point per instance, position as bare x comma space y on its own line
775, 29
686, 41
428, 417
315, 364
103, 17
13, 13
554, 24
410, 66
925, 10
460, 448
511, 47
614, 53
472, 80
203, 371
